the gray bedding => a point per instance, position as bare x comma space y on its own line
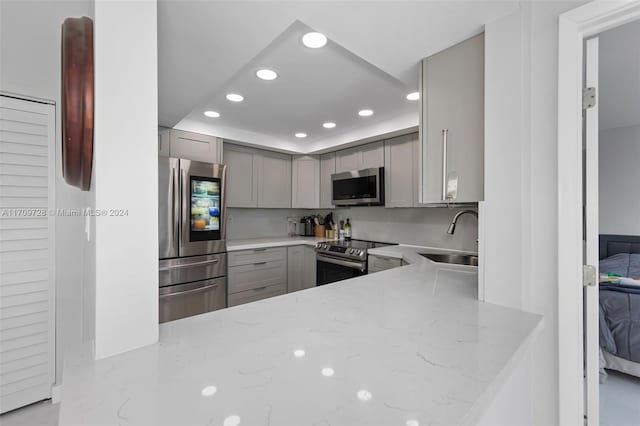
620, 308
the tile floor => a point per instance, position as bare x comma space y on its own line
620, 400
39, 414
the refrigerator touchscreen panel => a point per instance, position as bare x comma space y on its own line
205, 208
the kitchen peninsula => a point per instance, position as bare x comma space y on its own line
408, 346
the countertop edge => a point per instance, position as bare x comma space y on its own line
484, 401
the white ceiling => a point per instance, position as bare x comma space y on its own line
620, 76
207, 49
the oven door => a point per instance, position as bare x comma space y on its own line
202, 210
331, 269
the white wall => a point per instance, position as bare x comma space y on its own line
126, 150
419, 226
619, 157
30, 65
534, 199
504, 138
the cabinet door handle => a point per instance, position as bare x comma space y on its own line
260, 249
445, 133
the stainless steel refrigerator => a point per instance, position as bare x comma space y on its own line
193, 259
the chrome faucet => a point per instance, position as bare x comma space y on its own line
454, 221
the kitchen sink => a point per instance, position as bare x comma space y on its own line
455, 259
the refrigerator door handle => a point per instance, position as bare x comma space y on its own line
189, 265
174, 210
187, 292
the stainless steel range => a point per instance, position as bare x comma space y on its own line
341, 260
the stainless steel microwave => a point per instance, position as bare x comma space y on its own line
358, 187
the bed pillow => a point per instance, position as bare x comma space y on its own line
634, 266
618, 264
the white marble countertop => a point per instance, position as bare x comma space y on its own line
410, 346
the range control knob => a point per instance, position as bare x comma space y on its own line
350, 251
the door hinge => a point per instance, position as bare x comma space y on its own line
589, 276
588, 97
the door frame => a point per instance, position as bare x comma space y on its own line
574, 27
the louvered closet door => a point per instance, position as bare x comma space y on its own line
27, 335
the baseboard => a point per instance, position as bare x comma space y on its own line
56, 394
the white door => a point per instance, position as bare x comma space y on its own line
27, 299
591, 312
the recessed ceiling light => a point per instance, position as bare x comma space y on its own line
329, 125
299, 353
231, 421
266, 74
413, 96
234, 97
328, 372
301, 135
364, 395
314, 40
413, 423
212, 114
209, 391
365, 113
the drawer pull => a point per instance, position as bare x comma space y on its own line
260, 249
259, 263
260, 288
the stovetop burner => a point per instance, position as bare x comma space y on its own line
353, 249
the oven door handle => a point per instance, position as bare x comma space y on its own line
353, 265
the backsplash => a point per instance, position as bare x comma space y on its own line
259, 223
419, 226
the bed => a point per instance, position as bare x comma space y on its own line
620, 305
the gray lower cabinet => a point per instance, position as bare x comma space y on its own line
301, 268
382, 263
452, 123
256, 274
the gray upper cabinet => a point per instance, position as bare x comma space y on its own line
452, 124
257, 178
274, 182
305, 182
348, 159
401, 171
327, 168
372, 155
360, 157
192, 146
242, 176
